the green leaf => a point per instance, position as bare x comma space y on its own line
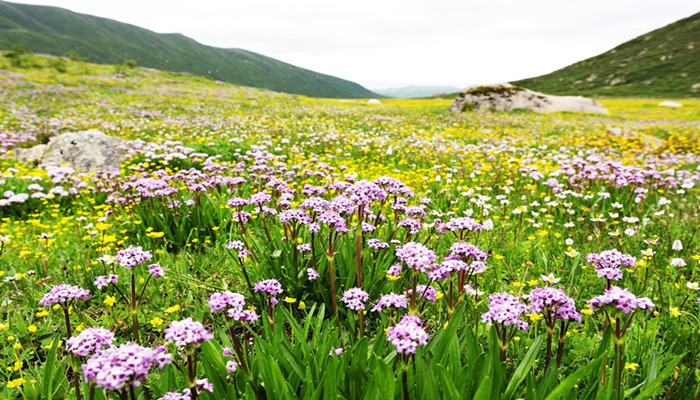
654, 386
48, 372
652, 370
523, 368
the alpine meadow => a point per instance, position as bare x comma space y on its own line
165, 235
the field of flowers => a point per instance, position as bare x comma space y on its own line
261, 245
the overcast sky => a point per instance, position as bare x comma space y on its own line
394, 43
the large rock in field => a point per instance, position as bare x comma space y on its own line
86, 151
506, 97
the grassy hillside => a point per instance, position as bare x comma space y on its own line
661, 63
414, 92
56, 31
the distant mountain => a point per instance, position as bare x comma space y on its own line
56, 31
412, 92
661, 63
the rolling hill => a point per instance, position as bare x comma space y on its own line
56, 31
661, 63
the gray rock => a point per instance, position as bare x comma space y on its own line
86, 151
506, 97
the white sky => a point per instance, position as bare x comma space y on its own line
394, 43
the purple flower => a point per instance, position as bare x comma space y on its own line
231, 366
132, 256
608, 263
174, 395
234, 244
203, 384
156, 270
394, 270
407, 335
117, 367
312, 274
270, 286
336, 351
461, 224
416, 255
234, 304
304, 247
90, 341
187, 332
423, 291
377, 244
620, 299
390, 300
355, 299
64, 293
468, 250
413, 225
102, 281
554, 303
505, 309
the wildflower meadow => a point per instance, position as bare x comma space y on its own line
263, 245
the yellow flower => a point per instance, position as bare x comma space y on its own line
17, 346
50, 345
110, 300
156, 322
675, 312
586, 311
302, 305
393, 278
533, 282
290, 300
155, 235
101, 226
631, 366
15, 383
31, 328
4, 327
18, 365
172, 309
534, 317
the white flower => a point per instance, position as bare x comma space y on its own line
678, 262
693, 286
677, 245
550, 278
4, 239
648, 252
569, 242
488, 225
572, 253
569, 224
629, 232
107, 259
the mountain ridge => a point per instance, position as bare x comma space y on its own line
56, 31
662, 63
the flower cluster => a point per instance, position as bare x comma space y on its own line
90, 341
132, 256
608, 263
416, 256
505, 309
355, 299
187, 332
390, 300
117, 367
270, 287
408, 334
63, 293
620, 299
103, 281
554, 302
234, 304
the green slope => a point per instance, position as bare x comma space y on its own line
56, 31
661, 63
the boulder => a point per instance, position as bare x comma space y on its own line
506, 97
669, 103
86, 151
